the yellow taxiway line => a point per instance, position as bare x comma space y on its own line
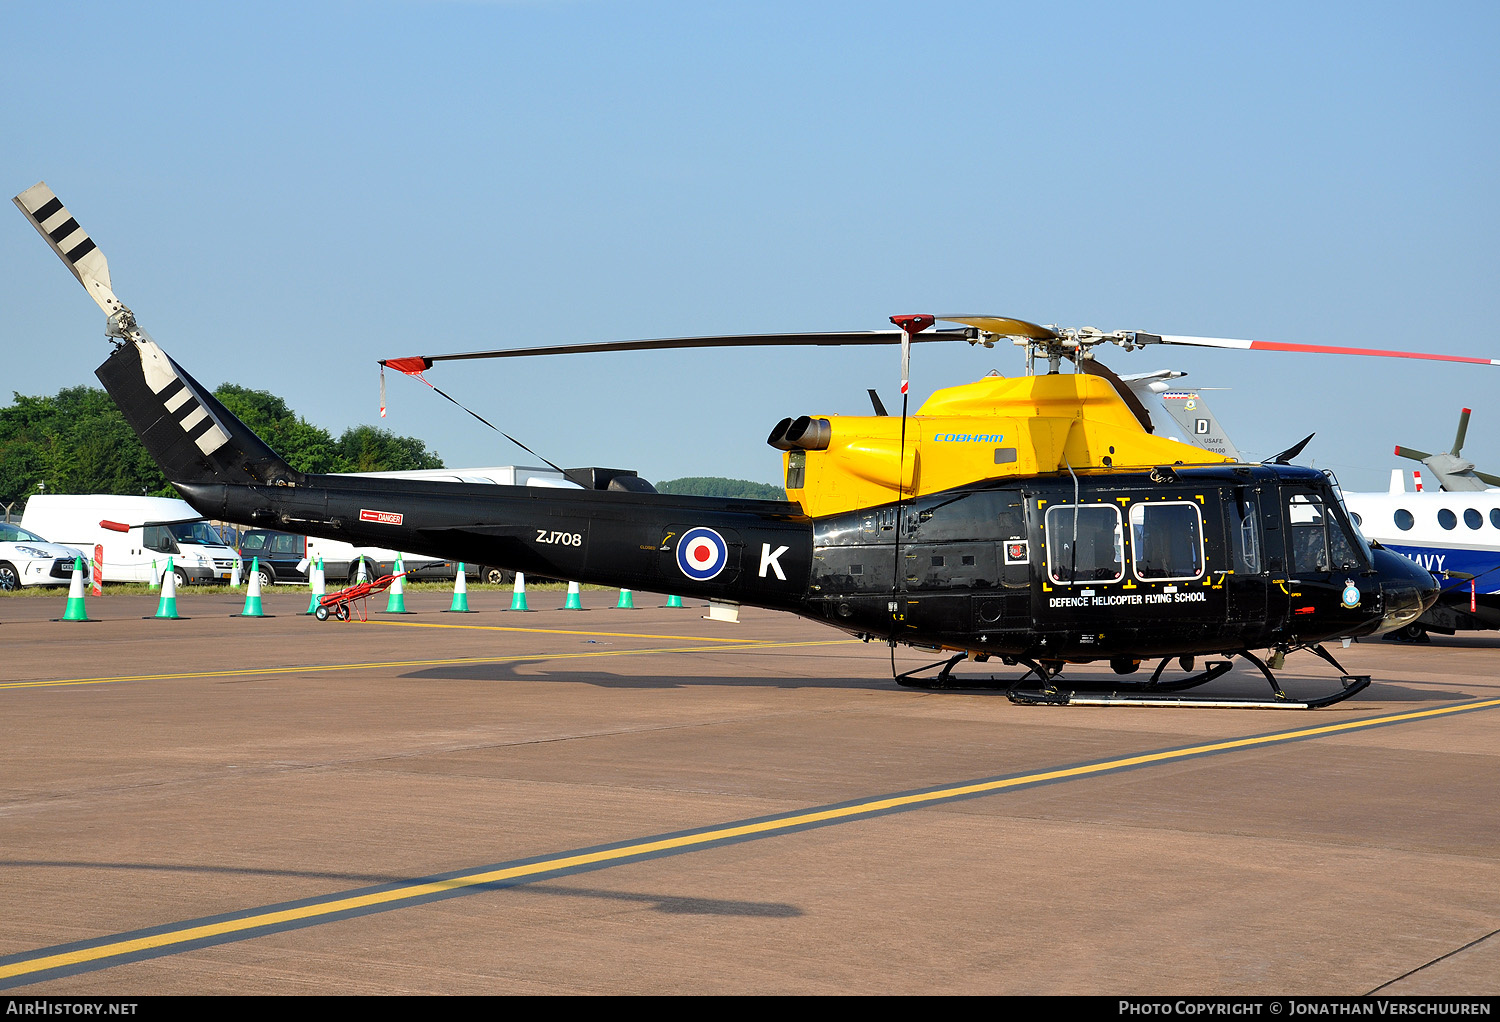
240, 672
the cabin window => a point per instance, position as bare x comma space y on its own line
1472, 519
1245, 534
1085, 543
1166, 541
1447, 519
1405, 520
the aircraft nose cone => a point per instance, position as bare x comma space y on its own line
1407, 591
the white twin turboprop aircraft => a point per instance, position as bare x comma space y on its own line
1453, 532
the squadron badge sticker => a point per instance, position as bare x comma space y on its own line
702, 554
1351, 593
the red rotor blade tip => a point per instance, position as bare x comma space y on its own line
414, 365
914, 324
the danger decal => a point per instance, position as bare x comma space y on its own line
380, 517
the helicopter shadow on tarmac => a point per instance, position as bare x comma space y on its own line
546, 671
1241, 682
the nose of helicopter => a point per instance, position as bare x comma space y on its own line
1407, 590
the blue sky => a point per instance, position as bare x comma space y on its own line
287, 192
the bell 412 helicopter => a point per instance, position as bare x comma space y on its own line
1035, 520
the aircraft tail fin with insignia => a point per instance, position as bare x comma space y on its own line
1180, 414
1191, 413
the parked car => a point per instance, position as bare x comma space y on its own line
287, 557
27, 559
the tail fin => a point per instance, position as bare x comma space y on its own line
191, 435
1198, 424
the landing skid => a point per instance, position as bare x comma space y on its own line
945, 681
1114, 693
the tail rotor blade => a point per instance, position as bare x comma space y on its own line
1463, 430
72, 244
1412, 453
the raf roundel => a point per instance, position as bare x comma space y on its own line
702, 554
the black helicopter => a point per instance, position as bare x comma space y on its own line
1034, 520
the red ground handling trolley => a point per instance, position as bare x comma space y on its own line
338, 603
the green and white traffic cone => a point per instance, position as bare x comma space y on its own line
319, 585
627, 600
166, 607
361, 577
75, 610
235, 578
674, 601
575, 599
252, 594
460, 592
518, 594
396, 602
155, 582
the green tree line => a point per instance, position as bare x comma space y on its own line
78, 442
718, 486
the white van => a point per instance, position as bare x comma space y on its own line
136, 533
499, 475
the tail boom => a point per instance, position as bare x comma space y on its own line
754, 552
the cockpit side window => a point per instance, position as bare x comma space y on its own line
1308, 521
1321, 539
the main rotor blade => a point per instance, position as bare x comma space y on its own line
1326, 349
726, 341
1004, 325
1412, 453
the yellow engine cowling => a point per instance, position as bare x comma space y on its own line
994, 428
